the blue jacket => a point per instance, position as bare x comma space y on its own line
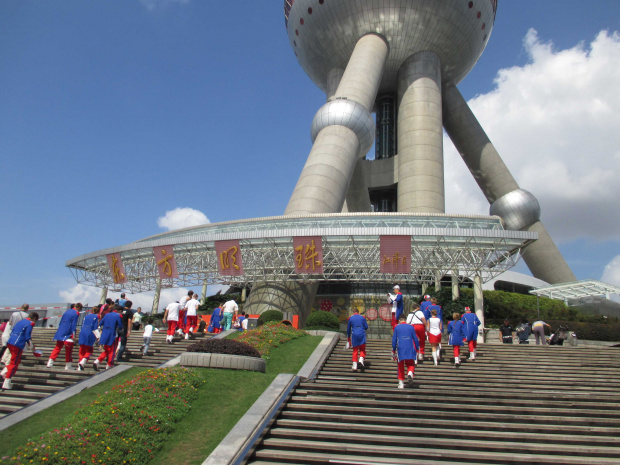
439, 311
399, 305
456, 330
471, 322
21, 334
67, 325
356, 329
405, 342
90, 324
216, 318
110, 324
424, 307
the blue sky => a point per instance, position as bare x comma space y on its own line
113, 113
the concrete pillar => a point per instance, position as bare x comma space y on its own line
490, 172
424, 288
343, 136
204, 292
358, 198
479, 305
544, 259
420, 135
438, 277
456, 291
324, 181
156, 297
243, 294
333, 81
103, 295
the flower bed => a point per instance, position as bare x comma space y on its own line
125, 425
223, 346
269, 336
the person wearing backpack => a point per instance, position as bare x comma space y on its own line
523, 332
418, 320
356, 332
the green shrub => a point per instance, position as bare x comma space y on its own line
325, 320
125, 425
224, 346
269, 336
270, 315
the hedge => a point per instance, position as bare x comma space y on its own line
323, 320
224, 346
270, 315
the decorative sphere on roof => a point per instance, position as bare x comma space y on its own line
323, 33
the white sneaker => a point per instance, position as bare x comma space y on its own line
8, 384
401, 384
4, 372
50, 363
187, 336
96, 365
410, 378
435, 357
361, 361
68, 366
420, 357
354, 367
108, 366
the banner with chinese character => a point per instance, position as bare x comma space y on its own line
395, 254
116, 268
166, 264
229, 258
308, 254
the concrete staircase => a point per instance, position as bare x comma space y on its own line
513, 405
33, 381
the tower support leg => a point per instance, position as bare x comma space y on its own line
479, 306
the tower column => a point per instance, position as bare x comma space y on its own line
420, 135
156, 297
456, 292
479, 305
518, 208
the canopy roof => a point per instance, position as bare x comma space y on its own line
576, 290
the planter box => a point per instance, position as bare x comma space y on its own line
230, 362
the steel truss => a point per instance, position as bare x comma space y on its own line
351, 243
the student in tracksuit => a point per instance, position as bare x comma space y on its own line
88, 337
396, 300
456, 331
110, 325
405, 345
356, 332
20, 336
418, 320
64, 336
471, 323
435, 306
424, 306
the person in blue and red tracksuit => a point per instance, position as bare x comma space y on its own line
396, 300
20, 336
471, 323
405, 345
456, 330
424, 306
356, 332
88, 337
110, 325
64, 336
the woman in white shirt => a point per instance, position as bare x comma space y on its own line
434, 326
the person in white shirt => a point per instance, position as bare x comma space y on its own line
182, 312
416, 318
434, 327
148, 333
171, 317
192, 315
229, 309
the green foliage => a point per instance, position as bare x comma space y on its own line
269, 336
224, 346
324, 320
125, 425
270, 315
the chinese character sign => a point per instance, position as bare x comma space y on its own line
116, 268
308, 254
395, 253
229, 258
166, 264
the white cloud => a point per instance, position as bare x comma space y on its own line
555, 123
182, 218
611, 274
160, 4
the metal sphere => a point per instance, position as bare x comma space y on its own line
323, 33
519, 209
347, 113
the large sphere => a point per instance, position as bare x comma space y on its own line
323, 33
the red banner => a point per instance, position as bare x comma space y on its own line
229, 261
166, 264
308, 254
395, 254
116, 268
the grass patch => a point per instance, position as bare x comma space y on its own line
223, 399
40, 423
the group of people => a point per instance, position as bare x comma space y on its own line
227, 317
410, 333
181, 317
523, 331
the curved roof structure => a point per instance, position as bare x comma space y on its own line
350, 247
